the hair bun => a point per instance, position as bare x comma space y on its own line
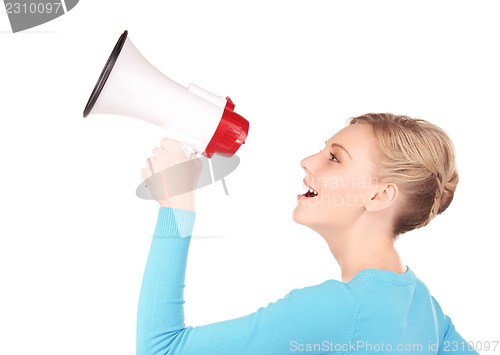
448, 192
444, 195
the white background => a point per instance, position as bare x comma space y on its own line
74, 237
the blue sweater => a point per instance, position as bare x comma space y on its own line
377, 311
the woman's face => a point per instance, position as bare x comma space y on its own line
339, 180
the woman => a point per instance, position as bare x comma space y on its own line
377, 178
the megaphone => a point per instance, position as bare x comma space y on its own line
131, 86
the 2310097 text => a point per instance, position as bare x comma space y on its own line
33, 8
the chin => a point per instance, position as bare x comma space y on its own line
310, 219
301, 216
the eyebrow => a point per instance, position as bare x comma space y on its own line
336, 145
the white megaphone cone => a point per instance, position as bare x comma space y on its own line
130, 86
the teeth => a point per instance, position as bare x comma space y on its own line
307, 190
313, 192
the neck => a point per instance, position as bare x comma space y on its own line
356, 251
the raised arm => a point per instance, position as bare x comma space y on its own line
319, 316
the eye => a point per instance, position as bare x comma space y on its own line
333, 157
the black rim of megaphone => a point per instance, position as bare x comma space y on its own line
105, 73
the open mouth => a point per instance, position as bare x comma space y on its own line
310, 192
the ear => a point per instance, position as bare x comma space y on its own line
384, 197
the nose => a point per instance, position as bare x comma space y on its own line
303, 163
307, 163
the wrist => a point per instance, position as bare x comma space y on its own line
174, 223
181, 202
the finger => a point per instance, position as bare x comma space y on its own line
167, 141
146, 173
152, 164
148, 170
171, 145
158, 152
162, 159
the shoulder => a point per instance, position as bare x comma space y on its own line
328, 308
329, 289
330, 296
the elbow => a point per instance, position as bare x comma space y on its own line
165, 343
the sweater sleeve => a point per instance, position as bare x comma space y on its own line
453, 342
315, 318
450, 340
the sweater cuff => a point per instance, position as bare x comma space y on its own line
174, 223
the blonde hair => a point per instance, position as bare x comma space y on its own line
419, 158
